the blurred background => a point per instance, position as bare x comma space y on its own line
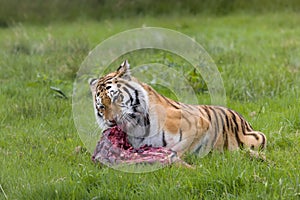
43, 11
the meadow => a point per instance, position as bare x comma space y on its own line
258, 57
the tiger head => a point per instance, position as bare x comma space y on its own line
119, 99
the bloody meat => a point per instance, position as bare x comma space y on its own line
113, 148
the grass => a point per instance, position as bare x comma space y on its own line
258, 57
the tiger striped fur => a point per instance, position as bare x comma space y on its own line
152, 119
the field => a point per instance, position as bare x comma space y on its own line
257, 56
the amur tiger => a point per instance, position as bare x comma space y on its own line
153, 119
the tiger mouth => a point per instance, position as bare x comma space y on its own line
111, 123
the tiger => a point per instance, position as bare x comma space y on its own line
149, 118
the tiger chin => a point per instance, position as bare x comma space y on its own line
150, 118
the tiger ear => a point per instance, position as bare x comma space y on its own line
124, 70
93, 83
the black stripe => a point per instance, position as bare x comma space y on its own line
180, 135
155, 93
227, 122
186, 119
233, 117
222, 117
236, 129
146, 120
164, 139
198, 149
119, 67
240, 143
192, 107
200, 110
137, 101
225, 127
224, 133
130, 97
166, 99
105, 79
262, 146
244, 126
248, 126
170, 102
207, 112
142, 121
216, 126
188, 107
128, 85
128, 102
226, 142
147, 124
226, 119
253, 134
121, 96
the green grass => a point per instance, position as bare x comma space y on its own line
258, 57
